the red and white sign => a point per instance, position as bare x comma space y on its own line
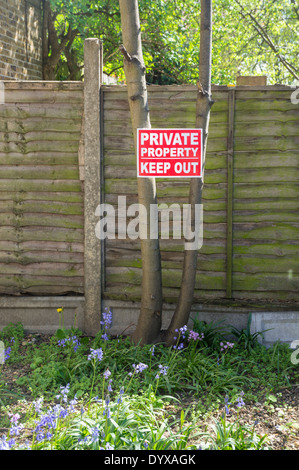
169, 153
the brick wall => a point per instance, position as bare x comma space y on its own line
20, 40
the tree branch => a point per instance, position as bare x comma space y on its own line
263, 33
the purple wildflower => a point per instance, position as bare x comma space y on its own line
95, 354
121, 392
63, 393
3, 444
109, 446
15, 426
11, 443
107, 374
162, 371
226, 404
7, 353
193, 335
72, 404
106, 411
107, 319
225, 346
240, 401
140, 367
95, 434
109, 388
38, 404
71, 339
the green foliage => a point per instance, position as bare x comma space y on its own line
126, 390
245, 337
213, 332
233, 436
250, 37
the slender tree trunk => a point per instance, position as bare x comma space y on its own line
149, 321
203, 106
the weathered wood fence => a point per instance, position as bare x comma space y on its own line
41, 196
250, 200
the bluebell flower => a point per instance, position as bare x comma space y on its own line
7, 353
109, 446
38, 404
11, 443
63, 393
121, 392
106, 374
107, 409
226, 404
240, 401
95, 433
15, 426
109, 388
71, 339
72, 404
3, 444
163, 371
107, 318
95, 354
139, 367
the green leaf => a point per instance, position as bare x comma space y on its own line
60, 333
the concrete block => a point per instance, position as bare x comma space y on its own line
281, 326
39, 314
252, 80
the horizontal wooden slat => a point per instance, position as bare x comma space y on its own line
39, 159
25, 258
43, 96
36, 233
39, 110
30, 125
266, 159
170, 277
53, 207
55, 145
35, 136
20, 196
39, 172
36, 185
32, 246
20, 220
266, 282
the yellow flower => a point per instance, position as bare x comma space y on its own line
59, 310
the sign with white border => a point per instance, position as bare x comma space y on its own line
169, 153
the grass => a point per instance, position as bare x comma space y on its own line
79, 393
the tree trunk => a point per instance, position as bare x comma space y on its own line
203, 106
149, 321
53, 46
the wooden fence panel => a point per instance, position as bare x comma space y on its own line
250, 197
266, 175
41, 199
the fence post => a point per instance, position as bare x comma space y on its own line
92, 184
230, 182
